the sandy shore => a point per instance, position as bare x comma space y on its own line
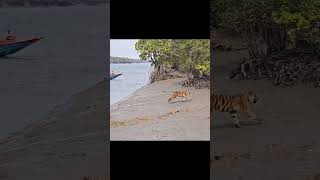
70, 143
285, 147
147, 115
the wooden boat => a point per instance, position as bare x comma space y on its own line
112, 75
11, 46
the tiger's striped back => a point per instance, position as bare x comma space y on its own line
234, 104
228, 103
183, 94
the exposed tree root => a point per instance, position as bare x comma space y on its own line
284, 69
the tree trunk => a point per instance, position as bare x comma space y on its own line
263, 38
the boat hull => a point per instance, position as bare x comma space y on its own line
112, 76
7, 48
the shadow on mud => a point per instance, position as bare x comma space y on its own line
242, 124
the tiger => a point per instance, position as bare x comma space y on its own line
235, 105
183, 94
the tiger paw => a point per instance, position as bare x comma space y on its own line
258, 120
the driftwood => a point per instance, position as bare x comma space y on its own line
284, 69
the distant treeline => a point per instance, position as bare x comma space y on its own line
47, 3
119, 60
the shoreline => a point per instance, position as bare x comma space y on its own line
146, 114
124, 60
64, 144
130, 81
131, 94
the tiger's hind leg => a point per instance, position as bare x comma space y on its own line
172, 98
235, 117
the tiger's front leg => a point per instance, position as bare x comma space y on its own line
251, 115
235, 118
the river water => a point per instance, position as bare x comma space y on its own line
71, 58
134, 76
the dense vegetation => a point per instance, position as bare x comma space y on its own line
185, 56
271, 26
118, 60
282, 38
48, 3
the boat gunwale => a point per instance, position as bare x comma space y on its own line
33, 40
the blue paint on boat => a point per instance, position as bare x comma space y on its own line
13, 47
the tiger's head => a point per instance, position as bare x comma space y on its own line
252, 97
188, 93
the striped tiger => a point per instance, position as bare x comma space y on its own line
235, 105
183, 94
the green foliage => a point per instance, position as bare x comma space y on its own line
297, 17
289, 12
189, 56
299, 20
154, 51
203, 68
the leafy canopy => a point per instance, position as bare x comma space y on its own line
293, 15
190, 56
